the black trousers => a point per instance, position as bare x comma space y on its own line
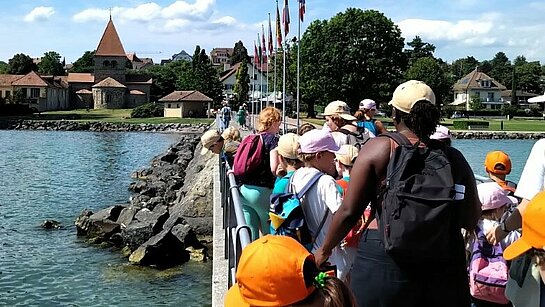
378, 281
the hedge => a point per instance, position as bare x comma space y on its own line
466, 124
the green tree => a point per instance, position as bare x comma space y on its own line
51, 64
242, 85
420, 49
528, 77
461, 67
429, 70
475, 104
4, 67
165, 77
21, 64
501, 68
356, 54
240, 53
18, 96
201, 76
85, 63
508, 110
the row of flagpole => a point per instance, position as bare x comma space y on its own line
260, 56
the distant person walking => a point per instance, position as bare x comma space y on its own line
225, 116
241, 117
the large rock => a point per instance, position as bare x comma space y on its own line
136, 234
162, 250
155, 218
126, 216
111, 213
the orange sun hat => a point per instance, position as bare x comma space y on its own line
533, 230
497, 162
270, 273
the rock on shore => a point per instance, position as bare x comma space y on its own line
167, 218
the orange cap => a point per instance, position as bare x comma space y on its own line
270, 273
533, 232
497, 162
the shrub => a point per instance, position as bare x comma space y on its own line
147, 110
465, 124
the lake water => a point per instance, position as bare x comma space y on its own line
55, 175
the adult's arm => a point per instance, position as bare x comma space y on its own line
274, 160
512, 222
369, 167
470, 210
380, 127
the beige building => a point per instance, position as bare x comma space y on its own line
478, 84
109, 87
185, 104
220, 56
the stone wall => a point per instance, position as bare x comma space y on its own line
99, 126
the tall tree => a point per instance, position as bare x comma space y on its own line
461, 67
85, 63
51, 64
201, 76
240, 53
356, 54
501, 69
242, 85
429, 70
21, 64
528, 77
420, 49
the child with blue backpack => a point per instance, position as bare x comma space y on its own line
488, 270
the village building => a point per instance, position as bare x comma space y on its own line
478, 84
185, 104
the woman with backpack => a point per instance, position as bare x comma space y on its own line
257, 177
426, 266
340, 122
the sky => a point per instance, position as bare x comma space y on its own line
158, 29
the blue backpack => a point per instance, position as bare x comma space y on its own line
287, 215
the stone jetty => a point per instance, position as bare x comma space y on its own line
168, 219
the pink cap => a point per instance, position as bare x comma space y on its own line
492, 196
368, 104
317, 140
441, 133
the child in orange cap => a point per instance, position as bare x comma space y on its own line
527, 284
278, 271
498, 165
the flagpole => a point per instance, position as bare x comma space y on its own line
298, 63
275, 49
268, 64
253, 91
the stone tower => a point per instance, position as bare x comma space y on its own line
110, 57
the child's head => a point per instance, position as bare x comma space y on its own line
231, 134
287, 150
442, 134
337, 114
493, 200
317, 148
345, 159
497, 163
211, 141
278, 271
306, 127
533, 232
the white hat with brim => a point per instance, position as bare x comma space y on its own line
409, 93
208, 139
339, 108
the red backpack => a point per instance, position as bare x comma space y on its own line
249, 157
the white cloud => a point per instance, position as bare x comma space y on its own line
39, 13
200, 10
445, 30
92, 15
226, 20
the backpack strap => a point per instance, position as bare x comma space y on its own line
397, 137
309, 184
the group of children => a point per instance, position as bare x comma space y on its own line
279, 271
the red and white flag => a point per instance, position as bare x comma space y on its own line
302, 10
286, 18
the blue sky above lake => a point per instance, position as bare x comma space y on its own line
160, 28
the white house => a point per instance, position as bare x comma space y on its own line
258, 79
478, 84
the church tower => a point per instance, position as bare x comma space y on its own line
110, 57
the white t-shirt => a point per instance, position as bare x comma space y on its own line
323, 196
532, 180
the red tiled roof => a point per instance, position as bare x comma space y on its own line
83, 77
186, 96
109, 82
30, 79
110, 44
6, 80
226, 74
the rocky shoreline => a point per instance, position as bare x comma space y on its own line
497, 135
65, 125
168, 220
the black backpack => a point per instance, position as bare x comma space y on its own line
417, 219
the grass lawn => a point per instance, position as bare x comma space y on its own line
113, 116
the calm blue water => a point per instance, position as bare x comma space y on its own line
55, 175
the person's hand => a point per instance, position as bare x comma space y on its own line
495, 235
321, 256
